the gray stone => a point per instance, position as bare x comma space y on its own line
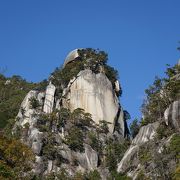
172, 115
49, 98
87, 160
39, 165
146, 133
35, 140
25, 114
71, 57
41, 97
94, 93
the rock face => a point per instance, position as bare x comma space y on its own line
94, 93
45, 131
87, 160
26, 119
49, 98
145, 134
172, 115
26, 112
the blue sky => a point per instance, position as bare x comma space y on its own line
140, 37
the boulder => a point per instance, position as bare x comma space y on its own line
71, 57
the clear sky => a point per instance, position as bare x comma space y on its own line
140, 36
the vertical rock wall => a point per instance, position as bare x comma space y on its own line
49, 98
94, 93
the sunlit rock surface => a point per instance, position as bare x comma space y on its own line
94, 93
25, 114
49, 98
71, 57
145, 134
172, 115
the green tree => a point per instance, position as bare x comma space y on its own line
75, 139
93, 175
34, 103
15, 158
134, 127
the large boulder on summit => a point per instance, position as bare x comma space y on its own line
71, 57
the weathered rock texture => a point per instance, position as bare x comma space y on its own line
154, 147
49, 98
94, 93
145, 134
71, 57
25, 114
172, 115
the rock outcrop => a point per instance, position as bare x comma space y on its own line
49, 98
149, 150
25, 114
145, 134
94, 93
71, 57
172, 115
45, 131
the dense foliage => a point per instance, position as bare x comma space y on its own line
15, 158
161, 94
12, 92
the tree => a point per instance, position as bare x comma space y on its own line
104, 126
75, 139
93, 175
126, 115
15, 158
134, 127
34, 103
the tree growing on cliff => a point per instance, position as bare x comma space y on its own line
134, 128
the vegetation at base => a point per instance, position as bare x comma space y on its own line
15, 158
114, 153
94, 141
174, 147
91, 175
145, 155
75, 139
117, 176
142, 176
12, 92
176, 173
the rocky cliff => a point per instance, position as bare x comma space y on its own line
77, 129
69, 124
154, 152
